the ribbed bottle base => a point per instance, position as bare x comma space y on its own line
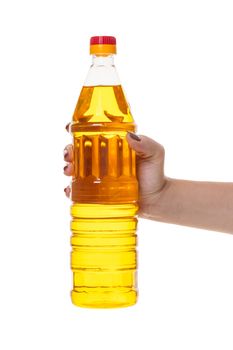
103, 258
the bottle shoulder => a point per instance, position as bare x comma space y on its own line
102, 104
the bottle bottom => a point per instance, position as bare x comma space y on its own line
111, 288
104, 299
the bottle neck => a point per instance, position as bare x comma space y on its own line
102, 72
107, 61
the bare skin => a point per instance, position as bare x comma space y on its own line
206, 205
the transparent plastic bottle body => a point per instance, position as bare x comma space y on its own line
104, 193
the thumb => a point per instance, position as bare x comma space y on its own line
145, 147
150, 165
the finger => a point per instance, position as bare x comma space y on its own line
67, 191
69, 169
68, 153
145, 147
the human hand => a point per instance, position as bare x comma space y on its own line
150, 169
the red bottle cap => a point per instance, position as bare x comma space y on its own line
104, 40
102, 45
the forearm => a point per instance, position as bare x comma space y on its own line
207, 205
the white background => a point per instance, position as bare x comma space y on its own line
175, 62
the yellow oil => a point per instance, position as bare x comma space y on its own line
104, 196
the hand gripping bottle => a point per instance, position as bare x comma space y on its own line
104, 188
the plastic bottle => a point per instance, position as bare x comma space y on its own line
104, 188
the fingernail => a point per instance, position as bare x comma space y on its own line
65, 152
67, 127
134, 136
65, 167
67, 191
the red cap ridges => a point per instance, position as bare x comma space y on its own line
103, 40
